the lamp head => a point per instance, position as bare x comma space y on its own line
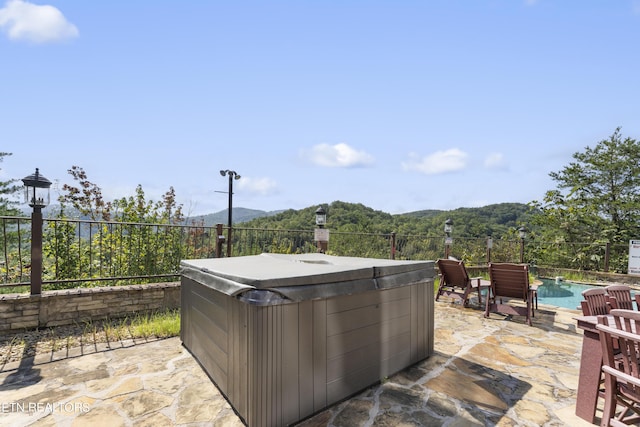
448, 226
321, 216
36, 190
522, 232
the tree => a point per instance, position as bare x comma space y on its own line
86, 199
7, 190
10, 244
597, 199
101, 246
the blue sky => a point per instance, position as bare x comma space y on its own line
398, 105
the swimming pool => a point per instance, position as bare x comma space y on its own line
561, 294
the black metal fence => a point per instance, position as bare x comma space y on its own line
92, 253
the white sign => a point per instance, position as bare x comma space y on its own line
322, 235
634, 257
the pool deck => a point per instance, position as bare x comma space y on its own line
484, 372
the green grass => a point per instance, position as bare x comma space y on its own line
138, 328
23, 289
159, 324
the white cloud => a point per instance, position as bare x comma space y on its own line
338, 156
22, 20
261, 186
439, 162
495, 161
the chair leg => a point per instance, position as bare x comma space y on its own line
488, 300
465, 296
534, 298
609, 401
479, 293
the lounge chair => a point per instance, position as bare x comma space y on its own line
456, 283
620, 342
510, 281
595, 302
619, 296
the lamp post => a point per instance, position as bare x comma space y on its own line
36, 195
232, 175
448, 241
522, 232
321, 234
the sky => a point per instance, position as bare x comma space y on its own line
398, 105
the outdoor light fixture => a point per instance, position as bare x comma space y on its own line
321, 217
448, 241
321, 234
522, 232
36, 190
448, 226
232, 175
36, 195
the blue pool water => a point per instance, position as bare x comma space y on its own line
563, 294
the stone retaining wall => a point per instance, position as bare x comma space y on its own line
64, 307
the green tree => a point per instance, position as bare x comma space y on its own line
8, 189
597, 200
116, 249
86, 198
11, 262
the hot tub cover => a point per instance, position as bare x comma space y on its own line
275, 278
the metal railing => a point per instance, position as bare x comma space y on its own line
86, 252
90, 253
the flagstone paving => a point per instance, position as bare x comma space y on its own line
485, 372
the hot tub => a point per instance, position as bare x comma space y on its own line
285, 336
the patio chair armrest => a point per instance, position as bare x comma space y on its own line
585, 308
612, 301
621, 375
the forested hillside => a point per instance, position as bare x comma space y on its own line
240, 215
497, 220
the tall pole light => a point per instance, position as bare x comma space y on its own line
36, 195
522, 232
448, 229
232, 175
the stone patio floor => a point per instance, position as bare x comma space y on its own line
484, 372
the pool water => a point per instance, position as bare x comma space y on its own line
562, 294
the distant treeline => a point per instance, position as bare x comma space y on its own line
498, 220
